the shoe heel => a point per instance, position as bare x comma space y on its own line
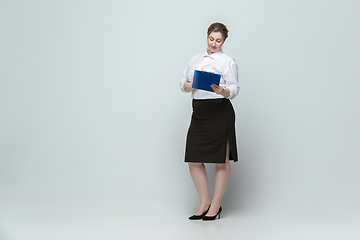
206, 218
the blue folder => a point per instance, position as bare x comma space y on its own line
202, 80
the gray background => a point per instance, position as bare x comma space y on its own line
93, 123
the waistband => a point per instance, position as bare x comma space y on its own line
211, 99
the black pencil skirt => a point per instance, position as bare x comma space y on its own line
212, 124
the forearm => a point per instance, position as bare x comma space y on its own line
188, 87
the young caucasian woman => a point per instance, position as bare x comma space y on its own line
211, 135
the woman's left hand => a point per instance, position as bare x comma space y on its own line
220, 90
217, 89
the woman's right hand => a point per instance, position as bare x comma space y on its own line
188, 85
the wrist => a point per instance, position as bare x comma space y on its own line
225, 92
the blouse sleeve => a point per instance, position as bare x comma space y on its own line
231, 80
183, 80
188, 68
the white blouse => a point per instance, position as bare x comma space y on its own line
219, 63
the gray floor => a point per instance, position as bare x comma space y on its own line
89, 219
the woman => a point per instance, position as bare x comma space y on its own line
211, 135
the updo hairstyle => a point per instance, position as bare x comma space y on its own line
218, 27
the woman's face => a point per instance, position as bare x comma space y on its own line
215, 41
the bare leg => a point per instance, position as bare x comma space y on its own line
199, 177
222, 176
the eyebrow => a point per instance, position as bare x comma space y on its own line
216, 38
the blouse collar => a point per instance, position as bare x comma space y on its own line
213, 55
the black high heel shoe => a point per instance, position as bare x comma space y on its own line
207, 218
198, 217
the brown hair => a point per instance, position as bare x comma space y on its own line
218, 27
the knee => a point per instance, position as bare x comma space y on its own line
221, 165
193, 165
